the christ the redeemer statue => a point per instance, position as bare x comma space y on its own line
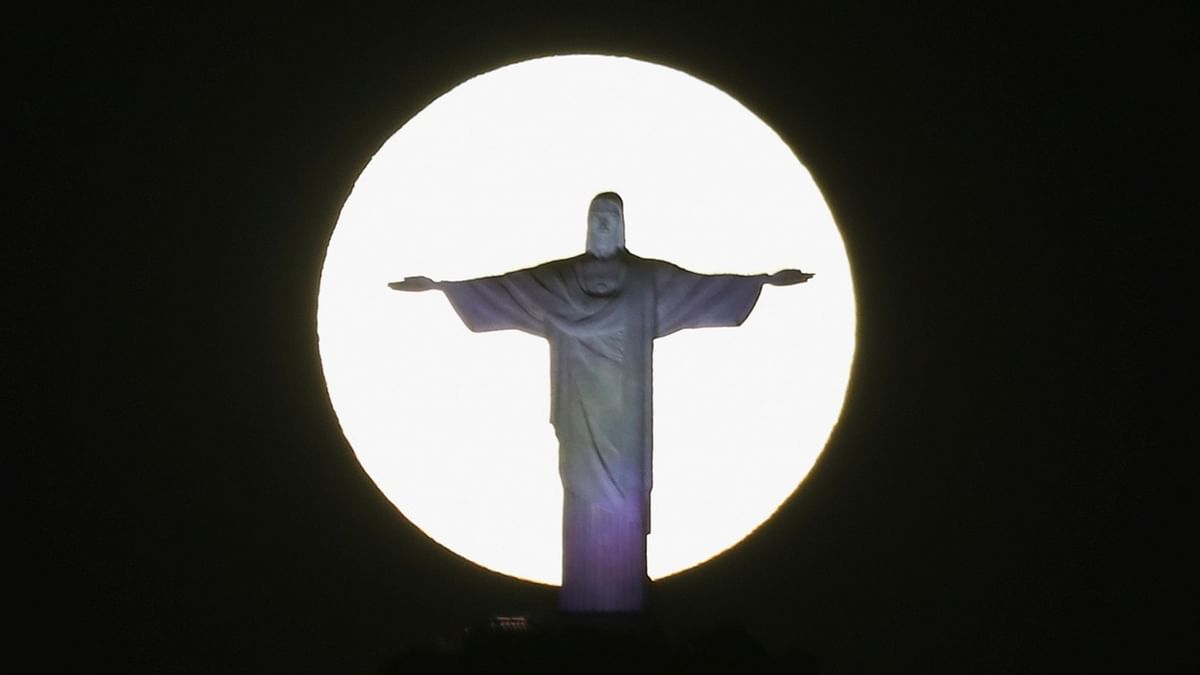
601, 312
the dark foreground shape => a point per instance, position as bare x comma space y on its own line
629, 644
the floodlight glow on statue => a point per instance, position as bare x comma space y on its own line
600, 312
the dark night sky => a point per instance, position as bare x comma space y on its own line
1004, 493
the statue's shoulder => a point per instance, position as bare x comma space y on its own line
554, 269
639, 261
652, 265
559, 264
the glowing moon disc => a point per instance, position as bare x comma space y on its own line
496, 175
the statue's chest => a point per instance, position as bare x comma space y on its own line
611, 317
602, 278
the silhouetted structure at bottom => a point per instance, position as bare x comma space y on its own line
630, 644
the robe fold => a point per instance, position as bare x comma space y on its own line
601, 332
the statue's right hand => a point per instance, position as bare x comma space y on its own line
414, 284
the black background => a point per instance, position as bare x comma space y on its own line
1004, 492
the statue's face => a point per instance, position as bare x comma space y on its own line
606, 228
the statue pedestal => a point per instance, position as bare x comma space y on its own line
606, 634
566, 643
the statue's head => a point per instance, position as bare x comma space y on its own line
606, 225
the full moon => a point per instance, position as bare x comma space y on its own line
496, 175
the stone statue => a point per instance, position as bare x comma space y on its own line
601, 312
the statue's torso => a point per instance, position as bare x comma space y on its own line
600, 377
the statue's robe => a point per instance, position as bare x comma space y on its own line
601, 333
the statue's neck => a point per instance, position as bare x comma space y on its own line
614, 254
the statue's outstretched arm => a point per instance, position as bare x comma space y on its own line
514, 300
416, 284
788, 277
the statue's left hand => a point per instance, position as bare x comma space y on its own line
414, 284
788, 277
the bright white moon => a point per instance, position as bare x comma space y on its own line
497, 175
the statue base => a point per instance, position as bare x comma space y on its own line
609, 643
